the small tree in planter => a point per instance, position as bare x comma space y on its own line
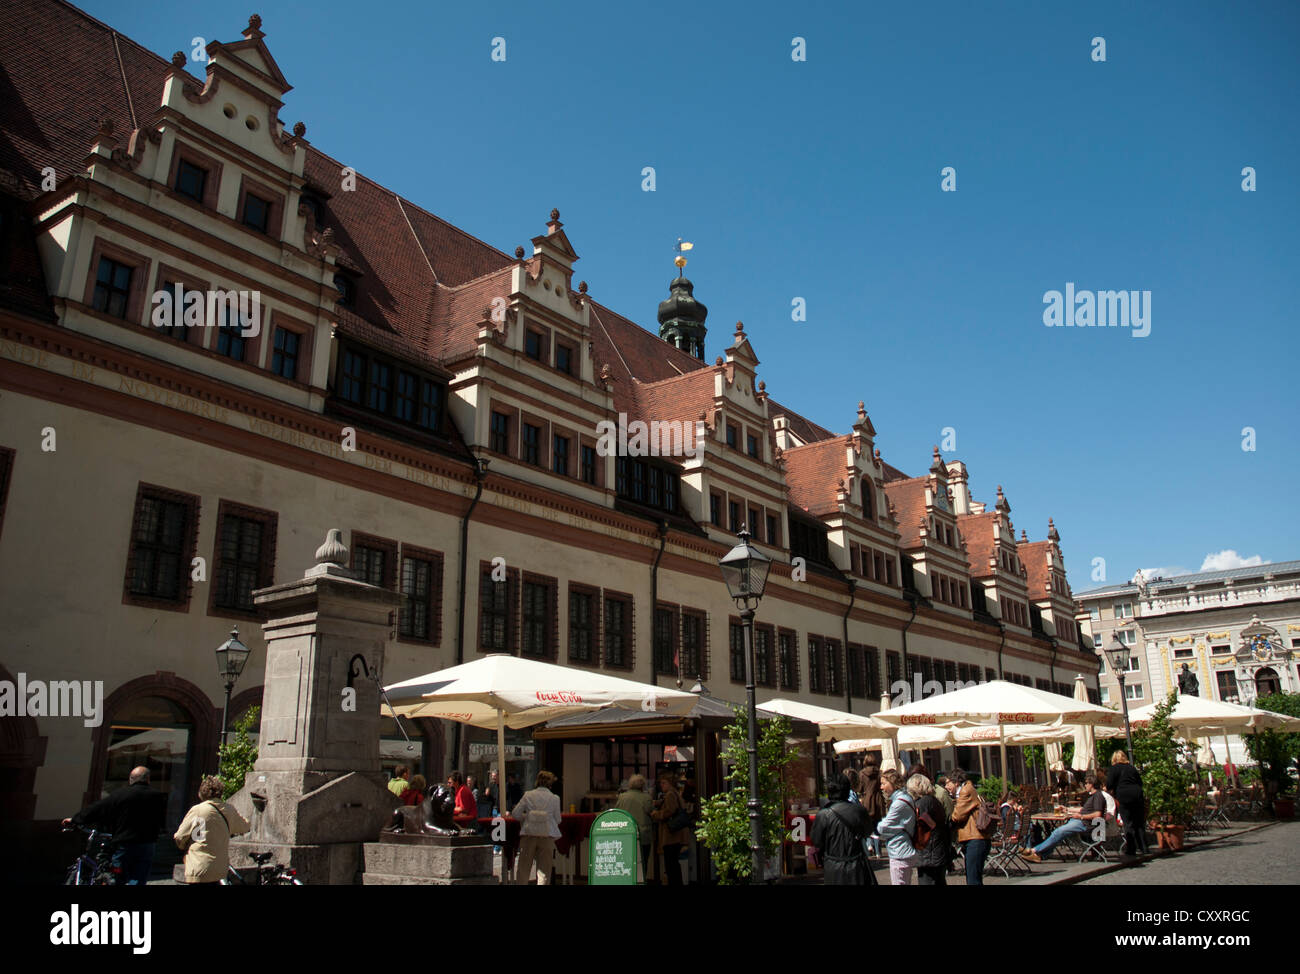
237, 757
1167, 781
991, 789
1275, 751
724, 819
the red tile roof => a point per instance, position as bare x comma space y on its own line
1034, 555
908, 499
812, 473
977, 531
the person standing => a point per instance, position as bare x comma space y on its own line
204, 835
897, 830
133, 816
538, 813
932, 861
466, 804
837, 833
487, 797
944, 794
1125, 783
671, 839
639, 805
514, 791
965, 815
398, 783
871, 798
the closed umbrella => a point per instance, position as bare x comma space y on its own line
1085, 745
888, 749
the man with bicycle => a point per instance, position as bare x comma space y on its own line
133, 816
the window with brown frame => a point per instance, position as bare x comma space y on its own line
375, 560
694, 655
665, 640
619, 649
787, 650
815, 663
834, 669
113, 287
584, 624
499, 434
497, 599
420, 618
164, 534
764, 670
857, 671
736, 646
243, 557
538, 623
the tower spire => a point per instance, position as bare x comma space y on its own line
681, 316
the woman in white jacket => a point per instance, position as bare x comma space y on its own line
204, 835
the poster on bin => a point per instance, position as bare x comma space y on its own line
613, 849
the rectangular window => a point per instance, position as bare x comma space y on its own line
352, 384
737, 652
177, 329
535, 637
1094, 614
494, 614
638, 479
857, 673
430, 405
1133, 691
421, 584
733, 516
376, 561
1228, 686
755, 524
230, 339
1184, 653
764, 674
191, 180
284, 353
834, 673
715, 510
257, 212
582, 626
1127, 636
1123, 610
893, 670
244, 558
589, 465
815, 664
655, 497
532, 444
665, 641
162, 542
751, 445
112, 287
381, 386
871, 656
1105, 695
500, 435
564, 358
620, 476
693, 662
788, 659
560, 455
771, 535
1134, 664
618, 632
732, 435
891, 571
533, 345
407, 393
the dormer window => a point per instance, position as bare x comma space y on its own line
191, 180
533, 345
564, 358
751, 445
733, 436
391, 390
866, 501
313, 206
347, 290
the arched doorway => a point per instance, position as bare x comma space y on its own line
22, 752
1266, 682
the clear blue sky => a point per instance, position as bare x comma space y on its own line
821, 180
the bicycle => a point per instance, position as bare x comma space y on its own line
276, 875
94, 867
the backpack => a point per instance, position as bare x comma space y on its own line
985, 817
922, 826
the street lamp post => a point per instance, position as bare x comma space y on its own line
744, 569
1117, 654
231, 657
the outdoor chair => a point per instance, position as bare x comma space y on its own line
1102, 846
1004, 854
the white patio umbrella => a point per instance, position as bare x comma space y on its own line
888, 749
500, 691
1085, 744
917, 738
831, 724
1197, 716
1001, 705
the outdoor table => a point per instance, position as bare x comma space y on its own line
511, 845
575, 827
1053, 820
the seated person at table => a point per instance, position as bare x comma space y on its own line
1078, 823
466, 803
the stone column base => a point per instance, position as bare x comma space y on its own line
427, 860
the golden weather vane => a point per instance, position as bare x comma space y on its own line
681, 247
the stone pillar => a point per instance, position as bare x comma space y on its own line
317, 792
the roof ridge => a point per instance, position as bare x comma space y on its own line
474, 280
693, 374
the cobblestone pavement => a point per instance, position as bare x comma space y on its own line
1269, 856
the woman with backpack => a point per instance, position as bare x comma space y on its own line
933, 842
969, 814
897, 828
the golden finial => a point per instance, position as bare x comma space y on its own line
679, 260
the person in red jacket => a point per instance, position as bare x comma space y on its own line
466, 804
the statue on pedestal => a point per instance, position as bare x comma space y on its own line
1188, 685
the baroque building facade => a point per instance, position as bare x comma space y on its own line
437, 399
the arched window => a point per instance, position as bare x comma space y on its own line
866, 500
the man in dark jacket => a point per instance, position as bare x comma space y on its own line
933, 860
1125, 783
837, 833
133, 816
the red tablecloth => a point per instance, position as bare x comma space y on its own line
574, 828
808, 818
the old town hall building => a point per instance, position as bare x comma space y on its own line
435, 398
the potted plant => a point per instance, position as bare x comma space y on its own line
1167, 781
1275, 753
724, 819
